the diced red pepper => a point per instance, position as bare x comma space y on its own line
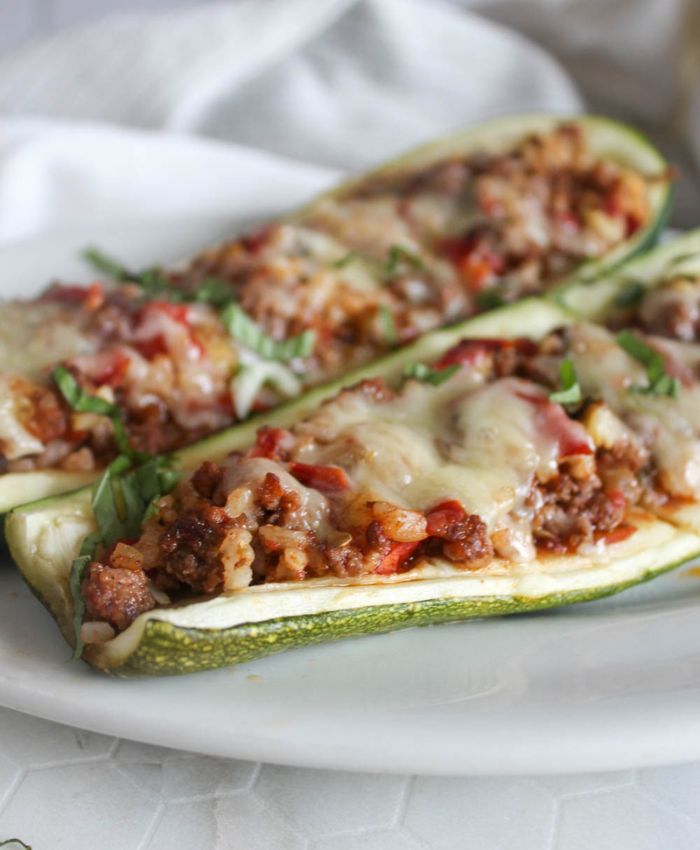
617, 535
613, 207
617, 499
90, 297
399, 554
569, 220
152, 347
442, 516
327, 479
632, 224
572, 437
179, 312
256, 240
113, 368
271, 443
469, 351
475, 260
156, 344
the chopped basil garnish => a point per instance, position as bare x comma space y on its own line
421, 372
107, 265
489, 299
399, 255
660, 382
156, 283
631, 293
570, 392
214, 291
249, 333
389, 325
122, 499
345, 260
75, 581
83, 402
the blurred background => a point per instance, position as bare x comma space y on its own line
343, 83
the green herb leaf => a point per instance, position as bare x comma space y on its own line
152, 280
76, 396
83, 402
75, 581
570, 392
399, 255
631, 293
345, 260
421, 372
106, 502
489, 299
660, 382
389, 325
214, 291
107, 265
246, 331
155, 283
122, 500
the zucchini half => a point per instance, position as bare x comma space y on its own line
45, 536
609, 139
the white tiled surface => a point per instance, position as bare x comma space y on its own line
63, 789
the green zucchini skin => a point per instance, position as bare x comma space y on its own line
595, 301
607, 137
166, 649
610, 138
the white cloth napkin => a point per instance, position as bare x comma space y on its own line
337, 83
341, 83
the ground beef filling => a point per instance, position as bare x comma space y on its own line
264, 516
186, 549
541, 209
116, 595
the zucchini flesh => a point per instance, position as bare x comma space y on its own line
608, 138
269, 618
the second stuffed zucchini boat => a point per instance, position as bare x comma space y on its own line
167, 356
501, 474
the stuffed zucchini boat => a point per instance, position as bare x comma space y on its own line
166, 356
499, 475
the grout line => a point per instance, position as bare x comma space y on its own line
151, 828
12, 788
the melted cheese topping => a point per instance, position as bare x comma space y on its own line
15, 440
671, 427
481, 444
34, 335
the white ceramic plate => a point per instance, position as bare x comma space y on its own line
605, 685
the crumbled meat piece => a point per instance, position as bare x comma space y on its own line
207, 478
273, 497
190, 550
467, 541
116, 596
344, 561
458, 536
574, 511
